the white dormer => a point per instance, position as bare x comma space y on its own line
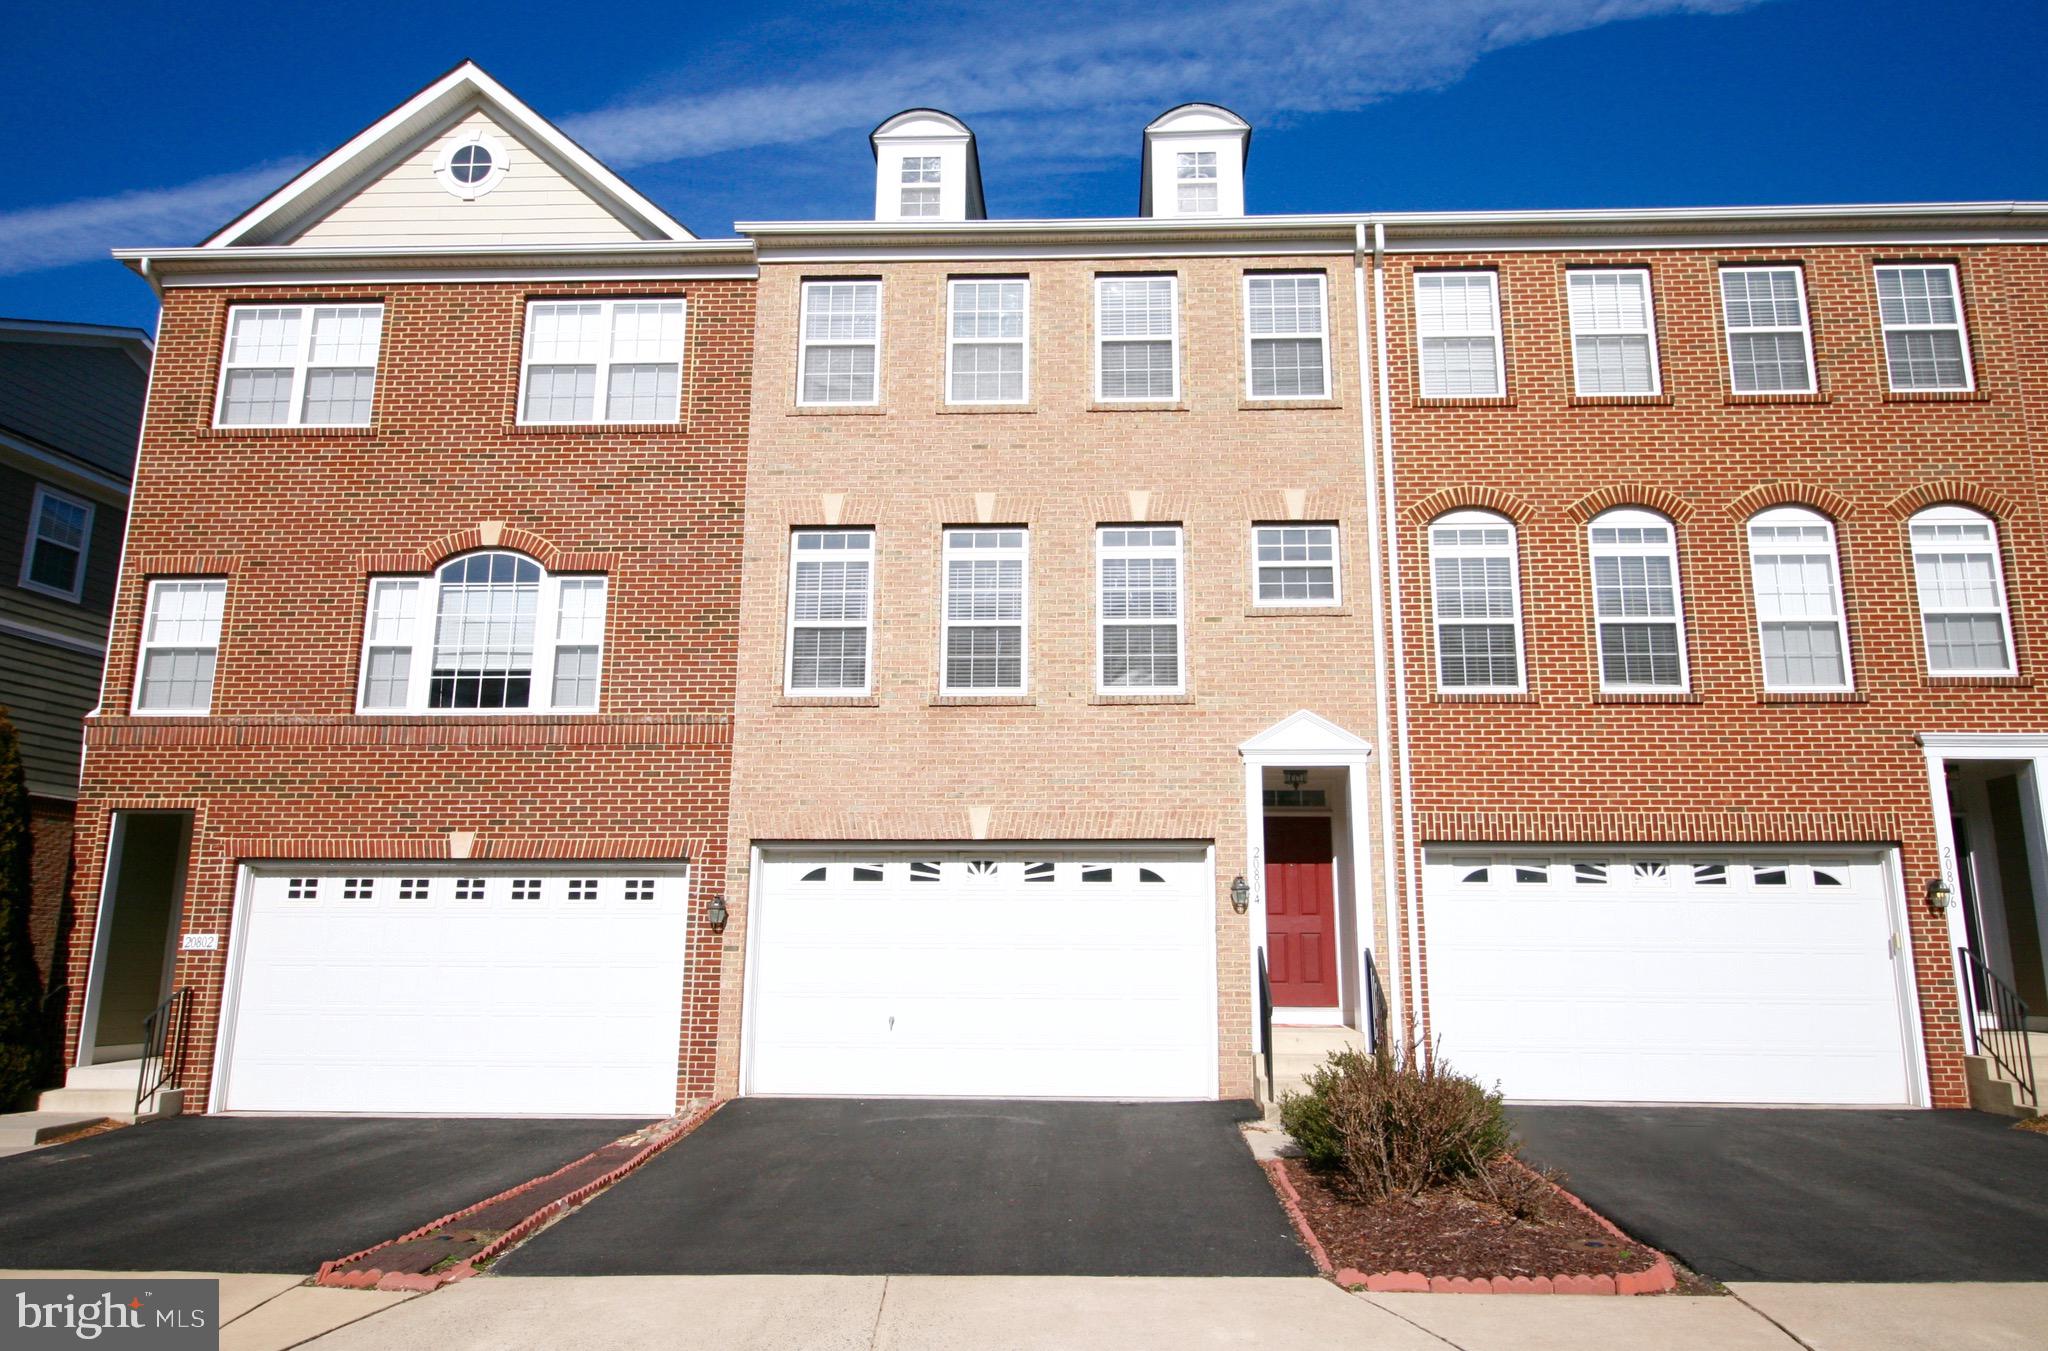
1194, 163
926, 168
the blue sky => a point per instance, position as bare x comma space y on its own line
153, 124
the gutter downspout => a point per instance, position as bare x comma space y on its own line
1391, 505
1368, 352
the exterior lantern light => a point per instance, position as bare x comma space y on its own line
1240, 895
715, 912
1294, 778
1938, 893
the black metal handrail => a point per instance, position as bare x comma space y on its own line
1998, 1025
1375, 1004
166, 1033
1266, 1025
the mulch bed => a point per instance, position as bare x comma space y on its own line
1448, 1233
2036, 1124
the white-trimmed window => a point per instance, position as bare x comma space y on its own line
592, 361
1194, 182
1797, 582
841, 343
1925, 343
180, 641
920, 191
1295, 565
831, 611
59, 534
1137, 331
988, 349
987, 608
1475, 588
1636, 607
1961, 582
1286, 334
1140, 630
1770, 338
1457, 325
299, 366
1614, 331
489, 632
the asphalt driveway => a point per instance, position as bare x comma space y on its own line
277, 1194
1797, 1195
903, 1187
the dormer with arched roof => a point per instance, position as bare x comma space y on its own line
1194, 163
926, 168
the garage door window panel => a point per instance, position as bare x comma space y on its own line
1960, 579
1637, 611
1796, 580
1139, 591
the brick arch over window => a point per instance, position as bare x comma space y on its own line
1660, 500
1961, 492
1467, 497
489, 535
1764, 496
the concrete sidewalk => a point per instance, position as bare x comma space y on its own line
258, 1312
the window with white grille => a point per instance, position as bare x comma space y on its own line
1636, 607
1770, 338
1194, 177
1614, 331
59, 530
841, 343
593, 361
1457, 324
1139, 585
920, 176
988, 348
1475, 589
180, 640
986, 600
488, 632
1295, 564
1801, 629
1925, 344
1137, 330
1961, 583
1286, 337
299, 366
831, 611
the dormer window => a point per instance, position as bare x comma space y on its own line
1195, 182
920, 186
1194, 163
926, 169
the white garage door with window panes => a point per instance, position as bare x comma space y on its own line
1684, 975
1028, 974
480, 992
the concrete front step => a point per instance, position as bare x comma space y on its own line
1298, 1052
25, 1130
116, 1103
1989, 1092
108, 1074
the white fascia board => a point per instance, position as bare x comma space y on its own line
206, 265
81, 477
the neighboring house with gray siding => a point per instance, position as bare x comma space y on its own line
70, 412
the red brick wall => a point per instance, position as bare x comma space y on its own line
297, 521
1728, 762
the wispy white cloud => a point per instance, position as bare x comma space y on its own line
72, 232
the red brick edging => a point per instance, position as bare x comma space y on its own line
1653, 1279
344, 1273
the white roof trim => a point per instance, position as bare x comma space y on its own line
1305, 733
461, 86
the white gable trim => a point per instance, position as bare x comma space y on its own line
298, 201
1305, 735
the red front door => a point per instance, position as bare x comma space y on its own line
1301, 926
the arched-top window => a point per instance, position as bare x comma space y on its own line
505, 636
1637, 611
1476, 596
1797, 583
1961, 584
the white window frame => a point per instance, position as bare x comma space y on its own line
1320, 334
301, 363
1189, 175
949, 551
423, 635
1500, 362
601, 395
1625, 517
1173, 338
929, 179
1648, 330
1336, 565
1490, 520
44, 492
1951, 513
1805, 330
1177, 551
866, 553
1023, 344
145, 646
1961, 328
1805, 517
805, 342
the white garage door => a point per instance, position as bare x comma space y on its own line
481, 992
1678, 976
1014, 974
